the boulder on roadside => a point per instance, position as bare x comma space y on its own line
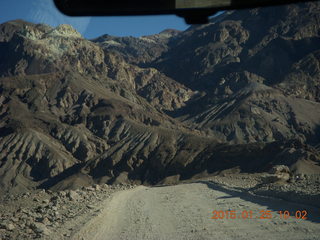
73, 195
40, 228
278, 173
272, 178
62, 194
97, 187
171, 180
277, 169
8, 226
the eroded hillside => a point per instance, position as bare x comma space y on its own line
241, 92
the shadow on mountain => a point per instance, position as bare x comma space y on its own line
61, 177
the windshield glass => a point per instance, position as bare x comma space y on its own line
149, 128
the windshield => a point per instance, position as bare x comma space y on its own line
149, 128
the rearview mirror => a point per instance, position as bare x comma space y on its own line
194, 11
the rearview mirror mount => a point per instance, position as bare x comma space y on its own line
193, 11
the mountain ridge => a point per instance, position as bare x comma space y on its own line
171, 105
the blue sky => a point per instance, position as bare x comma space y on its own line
44, 11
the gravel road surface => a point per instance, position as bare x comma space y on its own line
185, 211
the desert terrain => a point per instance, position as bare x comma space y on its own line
146, 137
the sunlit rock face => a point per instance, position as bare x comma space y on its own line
242, 91
44, 11
36, 49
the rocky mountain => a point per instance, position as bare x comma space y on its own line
239, 93
252, 67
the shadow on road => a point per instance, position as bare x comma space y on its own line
273, 204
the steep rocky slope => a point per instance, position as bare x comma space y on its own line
138, 50
256, 69
241, 93
60, 109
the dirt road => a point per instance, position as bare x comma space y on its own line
185, 212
